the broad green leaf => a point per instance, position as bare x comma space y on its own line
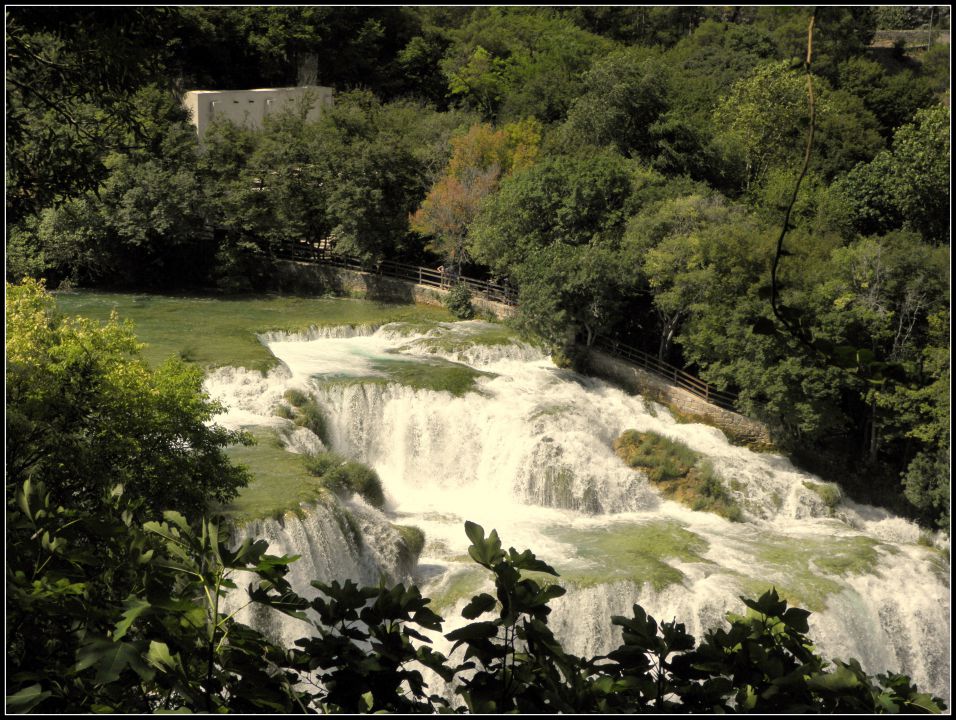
926, 702
133, 609
837, 681
796, 618
366, 701
176, 518
474, 631
475, 532
110, 658
479, 605
160, 657
23, 500
26, 699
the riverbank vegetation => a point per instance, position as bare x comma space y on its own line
625, 169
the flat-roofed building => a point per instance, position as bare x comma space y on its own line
249, 108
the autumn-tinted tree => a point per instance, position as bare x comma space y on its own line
480, 158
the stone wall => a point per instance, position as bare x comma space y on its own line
738, 428
310, 278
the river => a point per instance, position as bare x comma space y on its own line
527, 450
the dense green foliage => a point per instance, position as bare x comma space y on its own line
346, 476
459, 302
625, 168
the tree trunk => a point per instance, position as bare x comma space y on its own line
874, 440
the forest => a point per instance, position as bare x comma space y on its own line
628, 170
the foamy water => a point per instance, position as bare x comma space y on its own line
529, 454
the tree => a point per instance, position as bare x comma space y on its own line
840, 32
72, 74
625, 95
893, 99
512, 63
907, 186
480, 157
481, 79
447, 211
372, 176
145, 222
419, 62
762, 115
571, 293
84, 413
554, 228
561, 199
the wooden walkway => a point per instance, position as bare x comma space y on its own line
319, 253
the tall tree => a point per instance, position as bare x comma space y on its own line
71, 76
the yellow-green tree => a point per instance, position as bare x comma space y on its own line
85, 412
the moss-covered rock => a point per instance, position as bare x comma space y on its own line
344, 477
828, 492
637, 553
411, 543
680, 473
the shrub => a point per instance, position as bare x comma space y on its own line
346, 476
284, 411
828, 492
458, 302
365, 481
310, 416
321, 463
296, 397
665, 459
710, 484
413, 538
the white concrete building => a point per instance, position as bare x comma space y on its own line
250, 107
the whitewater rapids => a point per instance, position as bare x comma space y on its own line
527, 451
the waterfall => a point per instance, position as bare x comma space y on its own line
526, 449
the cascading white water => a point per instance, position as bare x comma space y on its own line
528, 452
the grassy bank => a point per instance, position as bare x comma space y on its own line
280, 481
217, 331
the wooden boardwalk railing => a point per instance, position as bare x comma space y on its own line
318, 253
680, 378
314, 252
